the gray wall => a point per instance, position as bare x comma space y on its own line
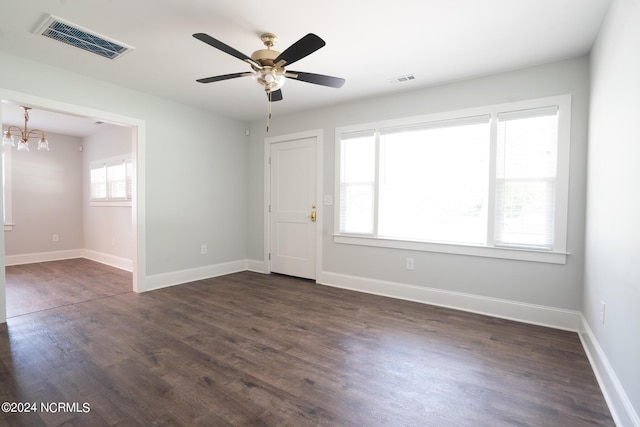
613, 210
47, 188
106, 229
194, 167
51, 196
528, 282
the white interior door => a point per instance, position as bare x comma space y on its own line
293, 207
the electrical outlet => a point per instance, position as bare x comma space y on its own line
55, 238
203, 249
602, 310
409, 264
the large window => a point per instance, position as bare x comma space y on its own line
489, 181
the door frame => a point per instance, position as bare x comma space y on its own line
138, 210
318, 134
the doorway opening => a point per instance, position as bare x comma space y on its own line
119, 247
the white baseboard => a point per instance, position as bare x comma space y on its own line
256, 266
163, 280
103, 258
506, 309
619, 404
621, 408
111, 260
42, 257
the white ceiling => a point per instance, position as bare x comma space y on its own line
52, 121
368, 42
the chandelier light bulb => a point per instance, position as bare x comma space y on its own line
7, 140
43, 144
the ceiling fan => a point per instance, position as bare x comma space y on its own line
268, 64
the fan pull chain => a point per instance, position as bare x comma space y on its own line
269, 111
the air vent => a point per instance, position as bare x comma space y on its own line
82, 38
402, 79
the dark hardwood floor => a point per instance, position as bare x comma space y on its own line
265, 350
46, 285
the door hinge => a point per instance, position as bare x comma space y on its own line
269, 256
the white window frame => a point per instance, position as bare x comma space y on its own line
559, 252
107, 201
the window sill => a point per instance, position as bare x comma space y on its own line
551, 257
110, 203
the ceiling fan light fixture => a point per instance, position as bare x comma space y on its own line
271, 78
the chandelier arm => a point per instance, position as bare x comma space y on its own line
15, 131
29, 136
11, 130
25, 134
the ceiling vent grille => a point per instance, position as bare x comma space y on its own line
82, 38
402, 79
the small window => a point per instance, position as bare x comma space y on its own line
99, 182
111, 181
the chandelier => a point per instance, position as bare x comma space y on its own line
25, 135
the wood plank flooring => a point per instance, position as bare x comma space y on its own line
265, 350
41, 286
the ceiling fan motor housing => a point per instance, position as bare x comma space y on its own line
265, 57
272, 78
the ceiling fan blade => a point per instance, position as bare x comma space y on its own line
303, 47
223, 77
274, 96
317, 79
225, 48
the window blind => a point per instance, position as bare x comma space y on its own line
525, 177
111, 180
357, 182
437, 124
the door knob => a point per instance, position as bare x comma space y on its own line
313, 216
